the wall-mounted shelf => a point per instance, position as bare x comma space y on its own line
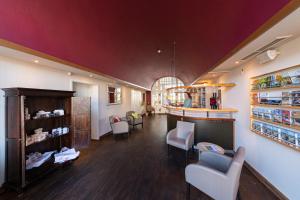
295, 128
288, 87
275, 106
276, 140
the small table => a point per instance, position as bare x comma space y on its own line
206, 146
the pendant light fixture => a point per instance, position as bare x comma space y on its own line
173, 66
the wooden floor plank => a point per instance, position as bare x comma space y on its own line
129, 168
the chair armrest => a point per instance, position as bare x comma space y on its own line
124, 119
171, 134
189, 142
120, 127
216, 160
130, 118
204, 177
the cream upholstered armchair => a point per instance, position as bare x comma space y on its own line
182, 137
119, 127
216, 175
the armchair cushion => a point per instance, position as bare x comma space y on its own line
177, 142
136, 115
215, 161
120, 127
138, 121
182, 143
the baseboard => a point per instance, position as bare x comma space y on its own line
106, 134
264, 181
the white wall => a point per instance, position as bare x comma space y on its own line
14, 73
277, 163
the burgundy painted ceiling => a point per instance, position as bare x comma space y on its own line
120, 37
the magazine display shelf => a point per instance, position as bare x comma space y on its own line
275, 106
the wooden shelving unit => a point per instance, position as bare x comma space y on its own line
276, 140
295, 128
274, 82
18, 129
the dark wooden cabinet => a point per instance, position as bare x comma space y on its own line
18, 128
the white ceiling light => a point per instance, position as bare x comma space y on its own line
36, 61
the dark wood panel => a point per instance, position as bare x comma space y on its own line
14, 162
82, 138
37, 92
81, 121
13, 117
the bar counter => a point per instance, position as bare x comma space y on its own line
202, 112
215, 126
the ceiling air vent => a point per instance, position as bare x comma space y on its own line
275, 43
250, 56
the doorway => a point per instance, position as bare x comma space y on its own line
85, 111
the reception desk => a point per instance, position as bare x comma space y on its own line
215, 126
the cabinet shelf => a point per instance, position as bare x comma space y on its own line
47, 118
294, 147
36, 173
296, 128
47, 139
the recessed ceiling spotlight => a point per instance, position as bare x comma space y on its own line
159, 51
36, 61
70, 73
237, 62
91, 75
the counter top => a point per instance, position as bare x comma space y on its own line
223, 110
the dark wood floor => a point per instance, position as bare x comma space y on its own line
133, 168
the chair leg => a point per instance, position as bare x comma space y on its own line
188, 191
238, 195
186, 157
168, 150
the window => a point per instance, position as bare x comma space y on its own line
160, 95
114, 95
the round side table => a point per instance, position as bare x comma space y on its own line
206, 146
